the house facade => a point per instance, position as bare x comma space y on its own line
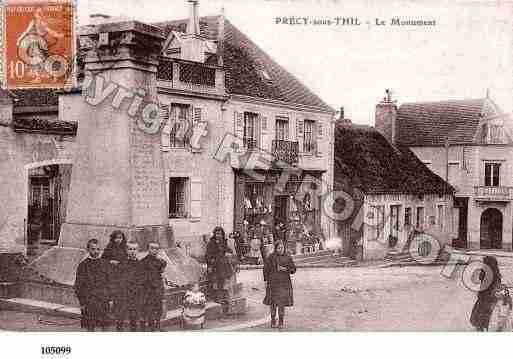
392, 195
232, 121
467, 143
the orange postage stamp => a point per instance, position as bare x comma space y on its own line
38, 43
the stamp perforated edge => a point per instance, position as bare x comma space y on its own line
71, 81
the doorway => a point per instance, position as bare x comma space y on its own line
281, 209
491, 229
48, 188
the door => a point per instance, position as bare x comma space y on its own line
462, 204
280, 209
491, 229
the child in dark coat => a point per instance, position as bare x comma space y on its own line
278, 294
153, 267
91, 288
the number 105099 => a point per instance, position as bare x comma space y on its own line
56, 350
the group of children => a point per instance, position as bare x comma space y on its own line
116, 287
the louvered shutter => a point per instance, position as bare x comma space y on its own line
166, 129
238, 126
264, 129
173, 126
197, 114
300, 133
196, 194
317, 136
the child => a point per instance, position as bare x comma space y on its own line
194, 308
500, 320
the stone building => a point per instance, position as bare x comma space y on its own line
388, 195
232, 120
467, 143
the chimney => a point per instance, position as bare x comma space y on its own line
193, 46
386, 116
193, 25
342, 116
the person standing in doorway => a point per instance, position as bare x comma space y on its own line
153, 267
91, 288
278, 294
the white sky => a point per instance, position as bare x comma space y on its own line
469, 50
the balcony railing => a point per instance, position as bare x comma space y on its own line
198, 74
489, 193
192, 76
287, 151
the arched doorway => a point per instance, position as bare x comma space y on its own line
491, 229
47, 192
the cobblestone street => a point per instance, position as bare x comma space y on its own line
412, 298
378, 299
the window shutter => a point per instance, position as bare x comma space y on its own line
238, 124
196, 194
166, 129
300, 133
317, 135
264, 123
197, 114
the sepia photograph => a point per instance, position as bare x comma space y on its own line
256, 166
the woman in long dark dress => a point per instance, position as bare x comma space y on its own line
219, 267
278, 293
486, 299
115, 254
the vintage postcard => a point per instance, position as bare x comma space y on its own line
255, 166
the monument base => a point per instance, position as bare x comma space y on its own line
76, 235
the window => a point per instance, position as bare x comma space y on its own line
394, 220
496, 134
309, 141
179, 125
178, 197
420, 217
282, 129
250, 130
492, 172
440, 215
407, 216
379, 225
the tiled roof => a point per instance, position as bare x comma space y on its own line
244, 63
430, 123
366, 160
246, 66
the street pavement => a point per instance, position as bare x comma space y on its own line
412, 298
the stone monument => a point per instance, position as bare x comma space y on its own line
117, 177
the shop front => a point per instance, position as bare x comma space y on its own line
265, 211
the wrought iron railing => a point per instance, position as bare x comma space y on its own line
287, 151
197, 74
165, 70
250, 143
